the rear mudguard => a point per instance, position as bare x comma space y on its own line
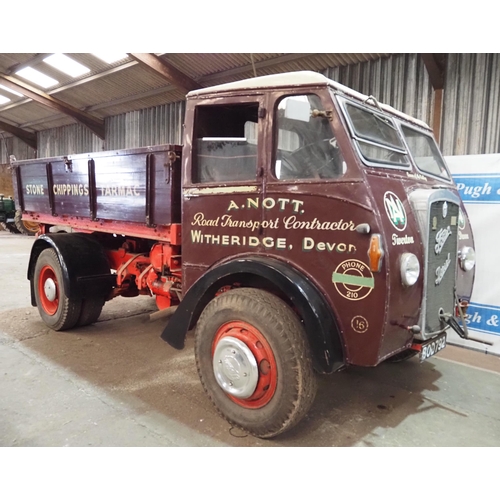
278, 277
84, 265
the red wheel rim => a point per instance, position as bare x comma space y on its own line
49, 306
261, 350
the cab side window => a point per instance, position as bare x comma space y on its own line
306, 147
225, 147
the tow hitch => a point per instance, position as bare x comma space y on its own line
462, 331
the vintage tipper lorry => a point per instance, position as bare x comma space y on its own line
302, 227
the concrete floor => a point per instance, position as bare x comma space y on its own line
116, 383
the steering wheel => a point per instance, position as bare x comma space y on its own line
308, 161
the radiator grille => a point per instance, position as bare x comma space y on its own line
441, 261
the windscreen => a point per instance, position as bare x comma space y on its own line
377, 137
425, 152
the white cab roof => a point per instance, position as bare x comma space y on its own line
297, 78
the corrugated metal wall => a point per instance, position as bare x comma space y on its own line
470, 125
400, 81
68, 140
147, 127
471, 107
14, 146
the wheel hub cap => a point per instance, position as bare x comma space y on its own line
50, 289
235, 367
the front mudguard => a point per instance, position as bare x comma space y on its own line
278, 277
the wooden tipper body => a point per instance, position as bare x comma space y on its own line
134, 192
126, 202
320, 229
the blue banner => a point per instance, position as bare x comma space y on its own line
475, 188
483, 318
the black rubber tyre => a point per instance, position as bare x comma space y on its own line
25, 227
258, 318
56, 309
90, 311
9, 226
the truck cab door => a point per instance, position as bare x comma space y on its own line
222, 188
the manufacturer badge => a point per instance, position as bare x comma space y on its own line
395, 210
461, 220
445, 209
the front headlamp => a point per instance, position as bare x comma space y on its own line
410, 269
467, 258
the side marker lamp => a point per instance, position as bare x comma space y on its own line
375, 253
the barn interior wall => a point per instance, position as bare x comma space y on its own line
146, 127
471, 107
470, 123
6, 187
68, 140
400, 81
12, 146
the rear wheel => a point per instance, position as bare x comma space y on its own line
90, 311
56, 309
254, 361
25, 227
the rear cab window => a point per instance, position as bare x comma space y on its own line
226, 143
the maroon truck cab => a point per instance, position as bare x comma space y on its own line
350, 195
320, 229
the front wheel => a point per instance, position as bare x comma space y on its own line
56, 309
254, 361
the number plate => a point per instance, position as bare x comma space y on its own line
432, 346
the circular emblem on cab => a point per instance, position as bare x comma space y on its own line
395, 210
353, 279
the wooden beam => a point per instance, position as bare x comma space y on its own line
31, 62
435, 65
28, 137
167, 71
438, 113
205, 81
96, 125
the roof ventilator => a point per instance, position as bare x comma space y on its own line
371, 98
